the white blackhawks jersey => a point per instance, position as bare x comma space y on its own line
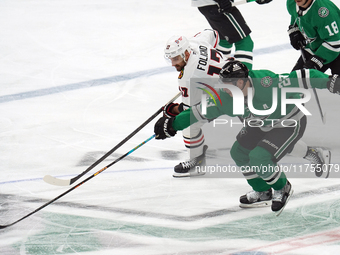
204, 62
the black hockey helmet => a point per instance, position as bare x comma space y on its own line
233, 70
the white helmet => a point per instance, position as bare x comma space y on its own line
176, 46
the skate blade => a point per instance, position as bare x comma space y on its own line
325, 170
283, 207
188, 174
257, 205
181, 175
193, 174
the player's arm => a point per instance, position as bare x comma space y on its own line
328, 30
167, 127
329, 33
311, 78
173, 109
295, 35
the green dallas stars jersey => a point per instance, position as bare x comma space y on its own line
263, 82
319, 24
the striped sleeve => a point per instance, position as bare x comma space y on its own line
309, 78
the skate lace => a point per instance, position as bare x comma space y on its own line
278, 194
256, 196
313, 156
253, 195
189, 163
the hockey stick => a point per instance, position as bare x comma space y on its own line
78, 185
323, 116
61, 182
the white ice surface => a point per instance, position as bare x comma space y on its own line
77, 77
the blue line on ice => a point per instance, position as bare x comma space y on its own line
114, 79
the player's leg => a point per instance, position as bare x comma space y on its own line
275, 145
261, 194
232, 29
265, 164
194, 141
225, 48
244, 51
247, 140
217, 21
238, 33
318, 157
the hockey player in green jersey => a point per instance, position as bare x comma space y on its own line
314, 27
265, 139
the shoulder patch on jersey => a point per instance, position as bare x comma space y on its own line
323, 12
181, 74
266, 81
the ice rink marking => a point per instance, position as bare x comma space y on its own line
113, 79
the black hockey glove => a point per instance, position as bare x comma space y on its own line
314, 62
263, 1
163, 128
333, 84
225, 5
296, 38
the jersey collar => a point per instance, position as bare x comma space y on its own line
302, 12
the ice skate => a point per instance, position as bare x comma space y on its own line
320, 159
281, 198
256, 199
189, 168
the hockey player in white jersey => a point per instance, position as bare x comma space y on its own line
193, 58
198, 58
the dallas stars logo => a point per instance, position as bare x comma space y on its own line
323, 12
266, 81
